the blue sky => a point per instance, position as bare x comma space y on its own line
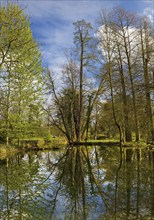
51, 22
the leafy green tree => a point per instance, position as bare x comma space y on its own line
20, 71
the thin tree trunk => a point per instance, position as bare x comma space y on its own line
8, 109
127, 133
132, 88
145, 56
81, 92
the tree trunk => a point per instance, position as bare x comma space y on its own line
127, 129
145, 56
8, 108
81, 91
132, 86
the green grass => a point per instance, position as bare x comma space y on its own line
136, 144
104, 141
32, 139
42, 138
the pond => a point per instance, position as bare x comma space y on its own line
83, 183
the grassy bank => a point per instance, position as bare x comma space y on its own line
58, 143
140, 144
108, 142
31, 144
40, 143
8, 151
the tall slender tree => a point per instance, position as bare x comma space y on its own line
81, 39
146, 40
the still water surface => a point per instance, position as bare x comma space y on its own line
85, 183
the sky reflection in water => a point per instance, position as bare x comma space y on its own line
82, 183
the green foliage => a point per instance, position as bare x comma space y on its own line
40, 143
6, 152
20, 75
47, 136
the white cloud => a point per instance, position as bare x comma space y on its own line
149, 12
148, 9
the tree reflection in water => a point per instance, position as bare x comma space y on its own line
79, 180
79, 183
